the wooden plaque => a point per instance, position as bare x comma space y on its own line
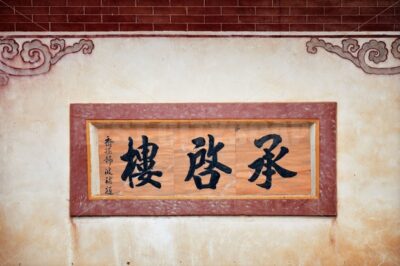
203, 159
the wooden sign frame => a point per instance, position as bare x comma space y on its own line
83, 204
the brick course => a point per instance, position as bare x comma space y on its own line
199, 15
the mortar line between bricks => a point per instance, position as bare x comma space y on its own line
376, 15
19, 13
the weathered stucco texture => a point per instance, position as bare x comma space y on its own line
35, 227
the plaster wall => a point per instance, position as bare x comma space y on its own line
35, 227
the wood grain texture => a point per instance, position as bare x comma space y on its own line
174, 141
325, 204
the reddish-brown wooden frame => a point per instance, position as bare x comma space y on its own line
324, 205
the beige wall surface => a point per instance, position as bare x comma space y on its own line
35, 227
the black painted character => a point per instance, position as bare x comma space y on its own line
198, 159
269, 162
142, 161
108, 142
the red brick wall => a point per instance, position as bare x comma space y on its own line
199, 15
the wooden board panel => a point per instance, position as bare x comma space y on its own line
308, 130
174, 139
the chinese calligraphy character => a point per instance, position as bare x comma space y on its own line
198, 159
108, 190
142, 161
108, 160
108, 142
108, 171
269, 162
